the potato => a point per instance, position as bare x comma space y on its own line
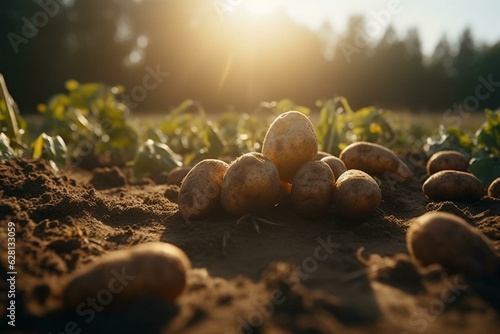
177, 175
494, 189
356, 194
336, 165
251, 184
320, 155
147, 270
312, 189
199, 195
448, 185
290, 142
447, 160
374, 159
448, 240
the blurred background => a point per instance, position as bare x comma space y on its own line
405, 55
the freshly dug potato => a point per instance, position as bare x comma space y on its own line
147, 270
312, 189
320, 155
337, 166
251, 184
177, 175
494, 189
199, 195
290, 142
356, 194
448, 240
447, 160
374, 159
450, 185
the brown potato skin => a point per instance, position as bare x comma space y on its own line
149, 270
494, 188
370, 158
448, 240
199, 194
320, 155
290, 142
447, 160
336, 165
177, 175
251, 185
356, 194
312, 189
448, 185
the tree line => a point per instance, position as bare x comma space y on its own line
233, 59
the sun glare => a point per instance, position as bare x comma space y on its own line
260, 7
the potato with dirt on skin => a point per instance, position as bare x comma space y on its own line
494, 189
199, 194
148, 270
251, 184
177, 175
337, 166
448, 240
450, 185
290, 142
374, 159
447, 160
356, 194
312, 189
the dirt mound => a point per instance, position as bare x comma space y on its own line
294, 276
105, 178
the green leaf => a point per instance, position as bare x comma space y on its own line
50, 148
86, 95
6, 152
449, 139
488, 135
213, 141
486, 169
153, 158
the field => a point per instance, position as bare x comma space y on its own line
282, 273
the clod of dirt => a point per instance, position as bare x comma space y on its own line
105, 178
172, 193
402, 274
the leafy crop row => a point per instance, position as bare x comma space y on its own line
92, 120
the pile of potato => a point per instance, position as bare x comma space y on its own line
291, 167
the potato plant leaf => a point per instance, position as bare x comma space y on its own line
485, 169
153, 157
449, 139
6, 152
50, 148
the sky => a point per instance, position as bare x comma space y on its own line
432, 18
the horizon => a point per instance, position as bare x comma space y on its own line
407, 14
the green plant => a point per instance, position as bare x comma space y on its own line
91, 120
153, 157
49, 148
12, 126
11, 123
340, 126
483, 147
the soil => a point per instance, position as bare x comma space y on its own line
329, 275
